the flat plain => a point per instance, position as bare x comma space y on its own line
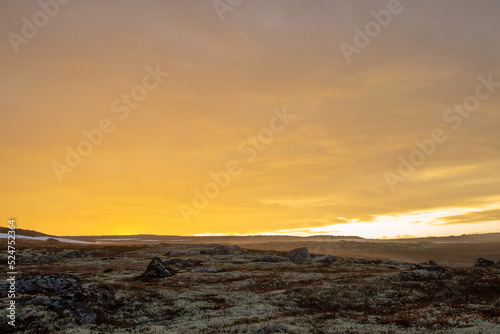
365, 286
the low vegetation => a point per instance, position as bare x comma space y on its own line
234, 290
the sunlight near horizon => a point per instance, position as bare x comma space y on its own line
175, 122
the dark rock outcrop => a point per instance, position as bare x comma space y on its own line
481, 262
34, 282
427, 267
184, 252
368, 261
223, 250
299, 255
394, 263
42, 259
57, 256
157, 269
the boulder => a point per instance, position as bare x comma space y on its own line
299, 255
324, 259
157, 269
483, 263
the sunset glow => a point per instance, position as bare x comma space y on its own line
159, 117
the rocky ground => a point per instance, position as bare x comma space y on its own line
210, 288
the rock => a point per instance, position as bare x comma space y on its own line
433, 263
83, 317
270, 258
367, 261
34, 282
213, 245
184, 252
53, 257
108, 270
324, 259
42, 259
498, 263
483, 263
73, 254
204, 270
394, 263
427, 267
436, 268
223, 250
182, 263
52, 241
46, 259
272, 329
88, 285
418, 275
299, 255
157, 269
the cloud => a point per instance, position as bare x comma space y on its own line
473, 217
354, 120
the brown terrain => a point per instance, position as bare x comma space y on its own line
211, 285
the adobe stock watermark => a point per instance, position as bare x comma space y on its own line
223, 6
454, 118
372, 29
30, 27
120, 106
248, 148
11, 273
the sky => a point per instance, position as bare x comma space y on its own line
369, 118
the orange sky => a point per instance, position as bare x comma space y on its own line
103, 65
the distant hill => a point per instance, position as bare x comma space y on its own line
487, 237
245, 239
28, 233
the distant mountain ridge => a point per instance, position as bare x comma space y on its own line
27, 233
